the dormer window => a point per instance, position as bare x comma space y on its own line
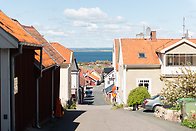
142, 55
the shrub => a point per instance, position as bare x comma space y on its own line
137, 95
189, 123
183, 87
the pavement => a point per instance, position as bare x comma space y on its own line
101, 117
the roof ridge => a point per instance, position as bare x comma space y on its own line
57, 50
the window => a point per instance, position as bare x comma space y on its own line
108, 82
142, 55
144, 82
180, 59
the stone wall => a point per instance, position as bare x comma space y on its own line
166, 114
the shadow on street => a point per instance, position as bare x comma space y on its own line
67, 122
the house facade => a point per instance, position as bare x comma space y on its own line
144, 62
109, 78
69, 74
91, 79
74, 78
17, 61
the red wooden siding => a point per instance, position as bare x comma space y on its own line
25, 99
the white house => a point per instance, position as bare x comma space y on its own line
142, 62
65, 72
109, 78
69, 74
74, 78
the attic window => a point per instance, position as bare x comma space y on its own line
142, 55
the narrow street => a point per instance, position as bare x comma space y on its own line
101, 117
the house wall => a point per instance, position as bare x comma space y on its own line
25, 98
45, 94
65, 84
183, 49
133, 75
109, 79
5, 89
74, 82
121, 76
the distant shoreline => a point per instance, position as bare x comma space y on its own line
92, 49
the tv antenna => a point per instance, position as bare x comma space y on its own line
148, 31
183, 26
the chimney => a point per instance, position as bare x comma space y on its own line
153, 35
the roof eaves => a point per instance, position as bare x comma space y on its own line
30, 44
177, 43
143, 66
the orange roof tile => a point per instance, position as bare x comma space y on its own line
132, 47
46, 60
55, 56
15, 29
65, 52
33, 32
93, 76
116, 44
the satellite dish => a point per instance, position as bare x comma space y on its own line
148, 31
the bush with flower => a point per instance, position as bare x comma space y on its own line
184, 86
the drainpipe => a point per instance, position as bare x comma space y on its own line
37, 91
52, 102
12, 100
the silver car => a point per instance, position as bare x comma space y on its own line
151, 103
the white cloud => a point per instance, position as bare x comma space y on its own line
56, 33
80, 24
85, 13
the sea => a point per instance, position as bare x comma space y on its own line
92, 54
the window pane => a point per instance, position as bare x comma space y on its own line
146, 85
169, 60
176, 59
194, 60
142, 55
182, 59
189, 60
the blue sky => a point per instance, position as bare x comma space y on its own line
95, 23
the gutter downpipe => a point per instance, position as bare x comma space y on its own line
12, 87
52, 102
37, 91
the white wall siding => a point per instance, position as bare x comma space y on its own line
5, 89
65, 85
74, 82
124, 86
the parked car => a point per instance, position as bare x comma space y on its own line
151, 103
88, 96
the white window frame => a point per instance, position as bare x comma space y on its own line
144, 79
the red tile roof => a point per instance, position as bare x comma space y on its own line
15, 30
46, 59
82, 79
116, 45
65, 52
132, 47
33, 32
47, 48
